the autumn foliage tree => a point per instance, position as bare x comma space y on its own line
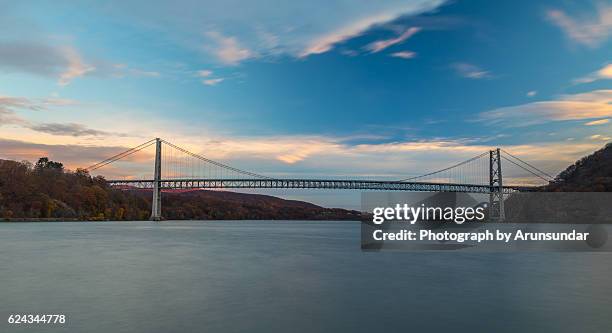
592, 173
47, 190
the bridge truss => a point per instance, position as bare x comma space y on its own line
332, 184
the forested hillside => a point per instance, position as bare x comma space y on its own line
46, 190
592, 173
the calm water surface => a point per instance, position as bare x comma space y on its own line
264, 276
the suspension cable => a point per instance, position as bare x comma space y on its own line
533, 173
445, 169
214, 162
120, 156
530, 165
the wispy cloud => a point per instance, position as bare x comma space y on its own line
74, 156
313, 155
8, 102
69, 129
326, 42
277, 155
227, 49
63, 62
590, 31
599, 137
357, 26
470, 71
589, 105
380, 45
208, 77
76, 66
213, 82
292, 28
404, 54
10, 106
597, 122
532, 93
604, 73
204, 73
8, 117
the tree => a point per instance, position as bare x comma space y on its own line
45, 164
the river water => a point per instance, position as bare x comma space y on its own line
285, 276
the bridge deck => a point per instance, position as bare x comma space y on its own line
311, 184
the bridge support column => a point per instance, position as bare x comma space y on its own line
496, 194
156, 202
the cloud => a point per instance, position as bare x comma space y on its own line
597, 122
105, 69
588, 105
56, 101
380, 45
470, 71
356, 27
63, 63
209, 80
322, 154
73, 156
7, 102
70, 129
404, 54
41, 59
33, 104
326, 42
595, 96
33, 58
288, 156
8, 117
204, 73
10, 105
213, 82
599, 137
76, 67
605, 73
532, 93
591, 31
311, 156
227, 49
286, 28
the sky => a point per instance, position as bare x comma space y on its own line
335, 88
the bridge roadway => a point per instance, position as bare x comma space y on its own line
312, 184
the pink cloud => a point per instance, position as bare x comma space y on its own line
383, 44
591, 32
76, 67
228, 50
404, 54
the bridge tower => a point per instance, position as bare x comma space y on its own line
496, 195
156, 203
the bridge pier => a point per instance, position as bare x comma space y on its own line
496, 195
156, 202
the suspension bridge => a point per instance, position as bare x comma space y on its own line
178, 168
